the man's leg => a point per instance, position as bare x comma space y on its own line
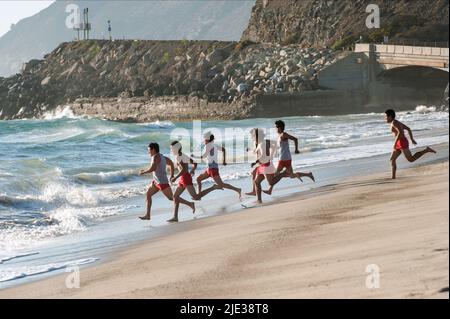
200, 179
310, 175
204, 192
168, 193
258, 181
277, 178
395, 154
177, 200
152, 190
412, 158
253, 192
223, 185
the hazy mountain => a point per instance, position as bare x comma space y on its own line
35, 36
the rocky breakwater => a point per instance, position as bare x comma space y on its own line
193, 79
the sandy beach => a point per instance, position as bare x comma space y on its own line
316, 245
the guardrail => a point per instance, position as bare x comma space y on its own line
403, 49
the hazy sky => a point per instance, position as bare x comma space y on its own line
14, 11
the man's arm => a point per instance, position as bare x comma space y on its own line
201, 157
293, 138
152, 168
224, 152
255, 151
397, 131
182, 171
410, 134
171, 167
194, 166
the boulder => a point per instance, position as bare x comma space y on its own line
216, 56
243, 87
46, 81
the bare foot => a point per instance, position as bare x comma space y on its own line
192, 206
297, 175
173, 220
310, 175
268, 192
146, 217
240, 193
251, 194
430, 150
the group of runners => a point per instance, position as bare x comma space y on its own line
262, 169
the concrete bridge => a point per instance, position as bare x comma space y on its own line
396, 75
392, 56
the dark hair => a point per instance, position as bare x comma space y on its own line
280, 124
154, 146
177, 143
211, 138
390, 113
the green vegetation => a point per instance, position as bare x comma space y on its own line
165, 58
185, 42
291, 39
243, 44
94, 50
136, 43
183, 48
398, 25
345, 42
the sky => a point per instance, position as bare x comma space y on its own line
14, 11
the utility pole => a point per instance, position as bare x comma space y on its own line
88, 27
109, 30
85, 25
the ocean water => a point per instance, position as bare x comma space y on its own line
64, 179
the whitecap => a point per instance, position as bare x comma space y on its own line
22, 272
107, 177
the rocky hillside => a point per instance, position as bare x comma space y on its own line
340, 23
222, 72
35, 36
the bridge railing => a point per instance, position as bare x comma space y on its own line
403, 50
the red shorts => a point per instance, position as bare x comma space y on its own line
186, 180
263, 168
284, 164
212, 172
402, 144
161, 187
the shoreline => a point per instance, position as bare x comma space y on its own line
205, 258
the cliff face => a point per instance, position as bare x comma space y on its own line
222, 72
325, 22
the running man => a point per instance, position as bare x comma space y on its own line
401, 144
160, 182
211, 153
265, 151
185, 177
284, 168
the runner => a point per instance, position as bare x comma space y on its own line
284, 168
185, 177
264, 150
401, 144
211, 153
160, 182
